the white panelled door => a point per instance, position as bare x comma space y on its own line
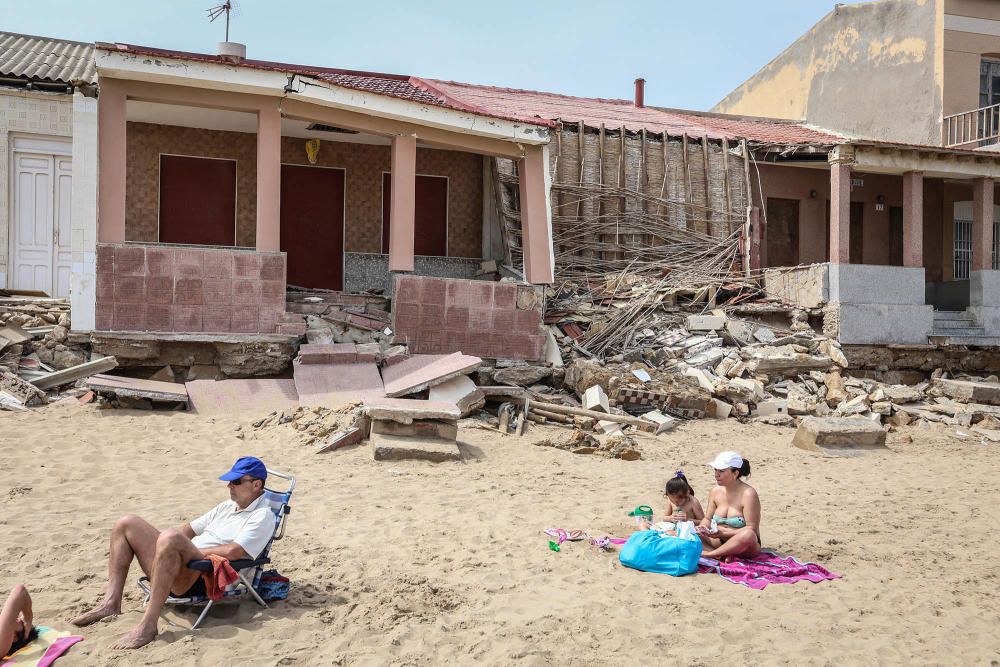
43, 185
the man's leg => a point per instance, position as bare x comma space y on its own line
132, 537
173, 551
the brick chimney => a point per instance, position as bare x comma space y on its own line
640, 92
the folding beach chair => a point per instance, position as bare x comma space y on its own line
249, 570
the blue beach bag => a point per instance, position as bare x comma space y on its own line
652, 551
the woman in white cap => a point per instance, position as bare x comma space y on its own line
734, 507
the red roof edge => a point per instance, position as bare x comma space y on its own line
427, 86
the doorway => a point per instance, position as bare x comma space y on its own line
40, 239
430, 215
782, 232
312, 225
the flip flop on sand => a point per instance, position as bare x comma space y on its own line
564, 535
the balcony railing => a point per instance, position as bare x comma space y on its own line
971, 129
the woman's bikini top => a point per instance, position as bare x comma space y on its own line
732, 522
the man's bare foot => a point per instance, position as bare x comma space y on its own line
140, 636
97, 613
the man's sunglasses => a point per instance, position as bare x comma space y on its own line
237, 482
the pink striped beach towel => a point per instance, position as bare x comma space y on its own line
766, 568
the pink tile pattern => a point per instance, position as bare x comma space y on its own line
444, 315
185, 289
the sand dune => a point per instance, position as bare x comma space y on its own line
415, 563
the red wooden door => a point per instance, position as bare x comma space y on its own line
430, 221
197, 200
312, 225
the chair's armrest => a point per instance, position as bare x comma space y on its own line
205, 565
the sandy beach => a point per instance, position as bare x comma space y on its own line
416, 563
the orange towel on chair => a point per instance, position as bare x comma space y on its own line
219, 578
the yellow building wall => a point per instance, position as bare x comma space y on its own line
870, 70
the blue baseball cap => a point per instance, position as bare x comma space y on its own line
247, 465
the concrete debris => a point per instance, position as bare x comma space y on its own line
839, 437
621, 446
595, 399
133, 388
324, 428
967, 391
461, 391
522, 375
423, 371
393, 448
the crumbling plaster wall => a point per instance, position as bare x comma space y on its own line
869, 69
30, 113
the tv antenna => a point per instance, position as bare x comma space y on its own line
217, 11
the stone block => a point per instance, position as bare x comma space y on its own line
461, 391
394, 448
722, 409
423, 429
839, 436
703, 323
594, 398
966, 391
775, 406
405, 410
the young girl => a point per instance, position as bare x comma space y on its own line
681, 502
16, 629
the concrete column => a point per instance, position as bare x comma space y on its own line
982, 224
840, 214
534, 185
83, 277
269, 178
913, 218
402, 203
111, 161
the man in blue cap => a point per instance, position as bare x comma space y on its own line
237, 528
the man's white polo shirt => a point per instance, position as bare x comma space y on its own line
251, 528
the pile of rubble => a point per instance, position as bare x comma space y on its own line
340, 317
39, 357
310, 425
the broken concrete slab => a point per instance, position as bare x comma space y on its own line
394, 448
125, 387
523, 376
165, 374
328, 353
966, 391
422, 371
12, 334
663, 422
775, 406
461, 391
20, 392
704, 323
835, 436
330, 385
595, 399
423, 428
74, 373
901, 393
406, 410
345, 438
550, 351
722, 409
241, 396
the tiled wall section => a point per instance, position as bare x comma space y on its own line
363, 165
186, 289
442, 315
34, 113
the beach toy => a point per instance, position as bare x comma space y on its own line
554, 546
642, 514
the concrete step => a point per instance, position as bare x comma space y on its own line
958, 331
956, 324
951, 315
978, 341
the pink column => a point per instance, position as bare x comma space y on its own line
982, 224
840, 214
269, 178
111, 165
913, 218
402, 203
536, 227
